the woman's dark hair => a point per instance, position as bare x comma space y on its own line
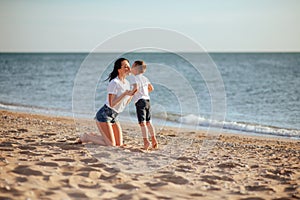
117, 65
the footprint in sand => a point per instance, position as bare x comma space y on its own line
29, 153
48, 164
50, 134
228, 165
25, 170
48, 193
76, 181
292, 188
276, 177
67, 173
155, 185
18, 138
125, 197
196, 195
64, 160
21, 179
126, 186
22, 130
69, 147
96, 186
43, 136
173, 179
212, 178
258, 188
98, 165
77, 195
209, 181
13, 191
6, 149
84, 174
185, 168
111, 170
29, 140
25, 147
6, 144
86, 169
89, 160
184, 158
284, 172
103, 177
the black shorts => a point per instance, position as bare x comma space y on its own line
143, 110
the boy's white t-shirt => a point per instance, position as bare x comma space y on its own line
117, 87
142, 84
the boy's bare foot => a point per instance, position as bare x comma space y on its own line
154, 143
123, 145
146, 144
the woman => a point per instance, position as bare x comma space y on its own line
119, 95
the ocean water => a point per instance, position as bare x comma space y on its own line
262, 89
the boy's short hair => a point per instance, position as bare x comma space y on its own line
141, 65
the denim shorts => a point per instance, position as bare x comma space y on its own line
106, 114
143, 110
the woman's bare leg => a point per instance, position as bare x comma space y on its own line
118, 133
107, 132
97, 139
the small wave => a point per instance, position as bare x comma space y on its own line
240, 126
34, 109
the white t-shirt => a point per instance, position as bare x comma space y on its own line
117, 87
142, 84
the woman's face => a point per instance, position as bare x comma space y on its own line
125, 68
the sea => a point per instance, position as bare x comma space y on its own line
244, 93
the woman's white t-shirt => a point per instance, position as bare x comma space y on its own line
117, 87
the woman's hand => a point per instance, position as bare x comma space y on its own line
130, 92
113, 100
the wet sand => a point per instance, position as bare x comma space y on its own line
40, 160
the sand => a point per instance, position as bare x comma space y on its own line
40, 160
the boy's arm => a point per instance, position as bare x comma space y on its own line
134, 89
150, 87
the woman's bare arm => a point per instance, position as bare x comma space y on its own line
113, 100
133, 91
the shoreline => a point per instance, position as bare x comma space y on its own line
170, 124
39, 160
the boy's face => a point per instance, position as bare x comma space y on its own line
134, 69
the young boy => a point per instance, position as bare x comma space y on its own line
142, 102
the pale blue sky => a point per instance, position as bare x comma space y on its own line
76, 26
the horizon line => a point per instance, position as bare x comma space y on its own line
86, 52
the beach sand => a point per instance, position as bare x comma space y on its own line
39, 160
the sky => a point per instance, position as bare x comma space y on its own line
217, 25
